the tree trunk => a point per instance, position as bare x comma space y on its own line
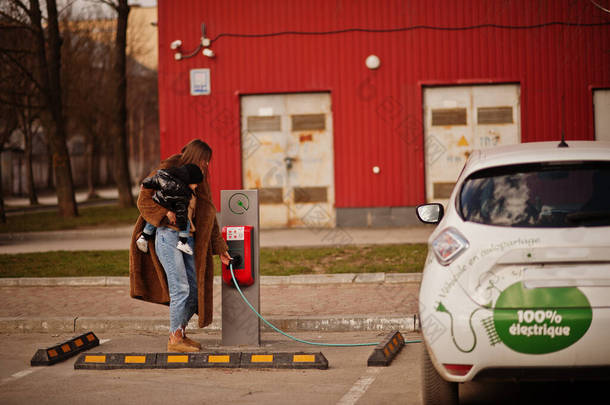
109, 163
28, 164
50, 175
50, 75
46, 127
10, 123
90, 154
121, 152
2, 211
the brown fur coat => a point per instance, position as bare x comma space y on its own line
146, 275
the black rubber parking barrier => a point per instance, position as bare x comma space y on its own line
64, 350
110, 361
284, 360
386, 350
198, 360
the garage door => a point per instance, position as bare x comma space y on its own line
459, 119
601, 107
292, 164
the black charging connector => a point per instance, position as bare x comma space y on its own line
235, 261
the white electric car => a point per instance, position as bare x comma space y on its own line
516, 284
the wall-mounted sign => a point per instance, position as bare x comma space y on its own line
200, 82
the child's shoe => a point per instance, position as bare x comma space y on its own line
142, 244
185, 248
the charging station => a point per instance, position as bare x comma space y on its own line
239, 221
241, 247
241, 316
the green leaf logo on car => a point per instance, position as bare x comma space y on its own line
541, 320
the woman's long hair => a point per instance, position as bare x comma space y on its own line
195, 152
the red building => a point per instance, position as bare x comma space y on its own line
350, 113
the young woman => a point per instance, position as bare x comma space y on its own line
167, 275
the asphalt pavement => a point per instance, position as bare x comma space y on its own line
347, 308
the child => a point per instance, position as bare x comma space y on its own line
174, 187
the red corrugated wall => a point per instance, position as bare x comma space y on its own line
377, 113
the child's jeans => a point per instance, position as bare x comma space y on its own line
186, 233
149, 229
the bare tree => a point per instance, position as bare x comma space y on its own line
28, 122
93, 94
8, 123
87, 75
19, 92
47, 80
119, 123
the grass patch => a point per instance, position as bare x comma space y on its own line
407, 258
65, 264
348, 259
103, 216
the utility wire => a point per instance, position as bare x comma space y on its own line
599, 6
412, 28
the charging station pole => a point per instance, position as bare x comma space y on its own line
241, 326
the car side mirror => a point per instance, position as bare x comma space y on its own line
430, 213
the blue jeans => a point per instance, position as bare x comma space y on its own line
181, 277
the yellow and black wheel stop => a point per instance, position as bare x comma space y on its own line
64, 350
386, 350
110, 361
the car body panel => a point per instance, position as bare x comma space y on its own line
519, 297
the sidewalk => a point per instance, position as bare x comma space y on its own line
120, 237
342, 302
49, 199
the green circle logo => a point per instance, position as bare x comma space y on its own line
541, 320
239, 203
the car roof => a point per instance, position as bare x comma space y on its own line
534, 152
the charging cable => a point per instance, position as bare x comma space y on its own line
295, 338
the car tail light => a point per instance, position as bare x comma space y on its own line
449, 245
458, 369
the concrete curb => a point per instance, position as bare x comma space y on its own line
346, 278
64, 282
157, 324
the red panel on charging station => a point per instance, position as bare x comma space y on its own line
239, 240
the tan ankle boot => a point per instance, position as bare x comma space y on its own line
180, 347
190, 342
177, 344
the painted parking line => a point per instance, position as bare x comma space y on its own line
360, 387
18, 375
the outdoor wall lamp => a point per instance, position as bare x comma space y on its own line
204, 46
175, 46
372, 62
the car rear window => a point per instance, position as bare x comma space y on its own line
541, 195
